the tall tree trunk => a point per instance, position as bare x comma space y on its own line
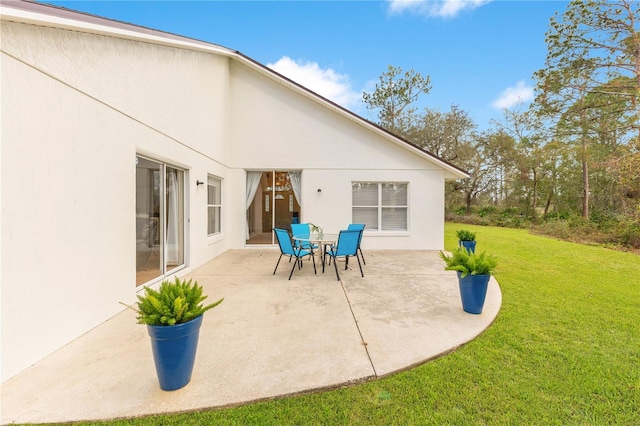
548, 204
585, 181
467, 199
585, 161
534, 202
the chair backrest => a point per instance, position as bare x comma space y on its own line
348, 242
300, 229
357, 227
284, 241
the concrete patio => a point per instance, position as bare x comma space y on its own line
270, 338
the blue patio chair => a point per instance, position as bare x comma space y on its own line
287, 249
358, 227
302, 230
355, 227
347, 245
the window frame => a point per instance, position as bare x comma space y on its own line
380, 207
156, 191
214, 205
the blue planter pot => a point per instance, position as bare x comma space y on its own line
473, 291
174, 352
469, 245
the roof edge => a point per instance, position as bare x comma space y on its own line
453, 172
27, 11
30, 12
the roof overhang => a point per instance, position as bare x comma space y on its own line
34, 13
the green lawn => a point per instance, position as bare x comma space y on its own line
565, 349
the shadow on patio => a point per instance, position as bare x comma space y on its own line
270, 337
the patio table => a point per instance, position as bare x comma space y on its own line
316, 238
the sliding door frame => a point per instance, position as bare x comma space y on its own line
151, 224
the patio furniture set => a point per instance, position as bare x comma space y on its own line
302, 242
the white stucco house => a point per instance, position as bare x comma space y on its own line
129, 155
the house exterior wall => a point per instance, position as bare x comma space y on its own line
276, 128
78, 104
331, 208
76, 110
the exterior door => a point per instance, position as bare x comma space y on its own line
274, 205
160, 225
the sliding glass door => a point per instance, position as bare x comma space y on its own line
160, 225
273, 200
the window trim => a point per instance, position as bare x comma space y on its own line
214, 205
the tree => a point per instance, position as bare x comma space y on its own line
451, 136
471, 158
502, 158
609, 125
627, 174
394, 95
528, 156
593, 49
605, 34
440, 133
554, 156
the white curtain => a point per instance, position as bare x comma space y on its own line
172, 218
253, 180
294, 178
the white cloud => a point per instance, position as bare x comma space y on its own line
325, 82
513, 96
438, 8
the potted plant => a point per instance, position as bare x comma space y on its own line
474, 271
466, 239
315, 228
173, 316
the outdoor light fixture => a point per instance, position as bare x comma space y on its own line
198, 183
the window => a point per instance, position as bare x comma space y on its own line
382, 206
214, 205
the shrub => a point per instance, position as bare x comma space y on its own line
173, 303
465, 235
469, 263
487, 211
628, 234
460, 211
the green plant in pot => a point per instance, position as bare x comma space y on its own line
474, 271
466, 239
315, 228
173, 315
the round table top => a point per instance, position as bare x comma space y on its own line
317, 238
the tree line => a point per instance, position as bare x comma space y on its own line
574, 152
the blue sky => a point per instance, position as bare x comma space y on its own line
479, 54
